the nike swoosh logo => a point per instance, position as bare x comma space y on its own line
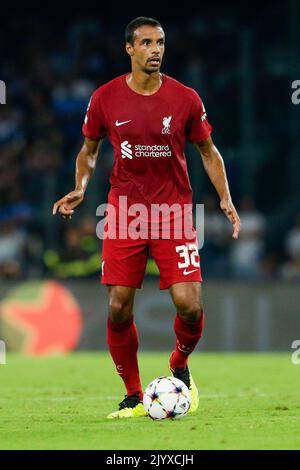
185, 272
121, 123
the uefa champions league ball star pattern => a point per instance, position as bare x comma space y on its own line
167, 397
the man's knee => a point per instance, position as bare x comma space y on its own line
189, 310
120, 306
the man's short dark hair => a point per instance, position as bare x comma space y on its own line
136, 23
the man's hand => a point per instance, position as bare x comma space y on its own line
66, 204
232, 215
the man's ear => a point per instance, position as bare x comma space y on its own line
129, 49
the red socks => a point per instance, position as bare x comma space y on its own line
187, 337
122, 340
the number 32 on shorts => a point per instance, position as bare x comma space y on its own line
189, 255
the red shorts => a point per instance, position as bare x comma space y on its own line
124, 261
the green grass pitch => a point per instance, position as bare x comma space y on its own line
248, 401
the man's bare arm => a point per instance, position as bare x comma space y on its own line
215, 168
85, 167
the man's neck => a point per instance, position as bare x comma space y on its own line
145, 84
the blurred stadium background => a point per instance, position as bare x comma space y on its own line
242, 60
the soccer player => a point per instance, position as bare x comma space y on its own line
148, 116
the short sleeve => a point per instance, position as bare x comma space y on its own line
198, 127
94, 127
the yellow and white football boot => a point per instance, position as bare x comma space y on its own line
130, 407
185, 376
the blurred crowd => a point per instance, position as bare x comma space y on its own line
248, 257
49, 78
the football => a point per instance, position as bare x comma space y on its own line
167, 397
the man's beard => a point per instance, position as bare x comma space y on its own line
149, 70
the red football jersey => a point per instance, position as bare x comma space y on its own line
148, 134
